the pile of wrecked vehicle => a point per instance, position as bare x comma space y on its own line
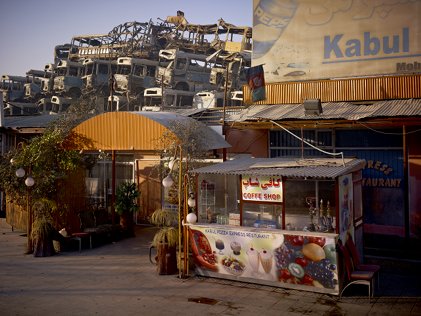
147, 66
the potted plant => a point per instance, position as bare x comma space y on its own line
43, 231
165, 240
125, 205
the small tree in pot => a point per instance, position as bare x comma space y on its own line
125, 205
43, 231
165, 240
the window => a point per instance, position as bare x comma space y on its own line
369, 138
284, 144
217, 199
103, 69
262, 215
89, 69
150, 71
73, 71
181, 63
300, 193
124, 69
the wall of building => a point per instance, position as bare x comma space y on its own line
414, 183
248, 141
383, 182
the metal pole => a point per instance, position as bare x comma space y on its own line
405, 184
111, 90
113, 180
185, 234
180, 173
29, 249
224, 150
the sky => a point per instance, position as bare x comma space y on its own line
31, 29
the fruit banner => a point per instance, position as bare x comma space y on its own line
300, 261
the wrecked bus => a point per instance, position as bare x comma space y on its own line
68, 81
47, 82
120, 103
134, 75
20, 108
238, 38
228, 69
208, 99
185, 71
90, 46
155, 101
97, 73
13, 87
60, 104
215, 99
40, 83
45, 106
61, 52
237, 98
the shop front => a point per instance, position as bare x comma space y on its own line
127, 147
276, 221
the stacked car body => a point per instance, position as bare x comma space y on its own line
137, 66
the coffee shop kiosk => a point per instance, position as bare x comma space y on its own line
276, 221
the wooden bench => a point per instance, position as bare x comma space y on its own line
78, 237
97, 224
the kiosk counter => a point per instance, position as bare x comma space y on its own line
276, 221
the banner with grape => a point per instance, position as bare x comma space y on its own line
300, 260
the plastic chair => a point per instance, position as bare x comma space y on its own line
355, 257
355, 276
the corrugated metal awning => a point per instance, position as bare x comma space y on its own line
316, 168
140, 130
29, 121
331, 111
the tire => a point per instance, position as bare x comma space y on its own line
182, 86
75, 93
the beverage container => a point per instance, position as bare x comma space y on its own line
219, 244
270, 19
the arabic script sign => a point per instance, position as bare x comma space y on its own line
261, 188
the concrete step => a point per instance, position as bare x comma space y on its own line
398, 265
393, 253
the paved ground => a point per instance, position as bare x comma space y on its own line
118, 279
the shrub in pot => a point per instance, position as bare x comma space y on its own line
126, 205
43, 231
166, 240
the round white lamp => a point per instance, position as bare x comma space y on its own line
20, 173
168, 181
191, 218
191, 202
29, 182
173, 164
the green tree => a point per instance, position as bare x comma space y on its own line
46, 158
51, 159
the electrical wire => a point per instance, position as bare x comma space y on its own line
386, 133
307, 143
